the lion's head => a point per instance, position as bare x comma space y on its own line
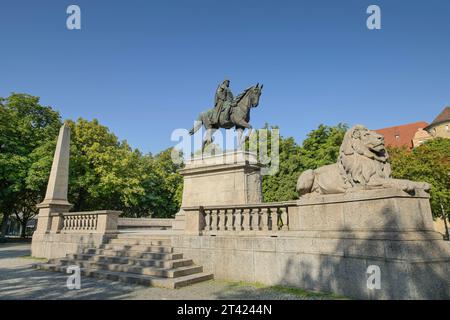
363, 156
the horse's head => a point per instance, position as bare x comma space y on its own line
255, 93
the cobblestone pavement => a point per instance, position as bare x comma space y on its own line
18, 280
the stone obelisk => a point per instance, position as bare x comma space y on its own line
55, 200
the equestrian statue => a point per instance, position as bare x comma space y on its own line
228, 112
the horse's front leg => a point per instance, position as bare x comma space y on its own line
239, 137
242, 137
208, 138
245, 125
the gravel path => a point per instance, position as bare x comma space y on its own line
18, 280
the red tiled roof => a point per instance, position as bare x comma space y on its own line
442, 117
402, 135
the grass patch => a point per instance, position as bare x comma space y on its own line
282, 289
33, 258
306, 294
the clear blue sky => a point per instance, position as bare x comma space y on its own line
136, 63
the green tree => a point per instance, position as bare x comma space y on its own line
172, 184
281, 185
321, 147
429, 162
24, 126
105, 173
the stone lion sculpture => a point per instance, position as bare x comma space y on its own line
362, 164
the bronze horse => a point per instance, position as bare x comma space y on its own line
235, 114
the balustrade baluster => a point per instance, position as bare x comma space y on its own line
229, 220
222, 220
246, 219
207, 220
264, 219
274, 219
254, 219
284, 219
215, 219
239, 219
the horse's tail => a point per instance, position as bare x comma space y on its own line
197, 125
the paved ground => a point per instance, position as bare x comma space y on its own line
18, 280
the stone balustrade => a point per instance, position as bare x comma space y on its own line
271, 217
79, 222
60, 233
102, 222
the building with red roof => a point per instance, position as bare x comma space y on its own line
402, 135
414, 134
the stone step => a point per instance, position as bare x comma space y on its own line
138, 247
133, 254
134, 258
172, 283
166, 264
149, 242
150, 271
143, 262
143, 236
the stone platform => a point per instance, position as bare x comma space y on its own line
328, 245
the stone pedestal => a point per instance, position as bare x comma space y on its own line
224, 179
386, 210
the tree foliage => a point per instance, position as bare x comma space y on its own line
429, 162
25, 125
106, 173
321, 147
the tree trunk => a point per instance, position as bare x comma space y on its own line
4, 225
24, 223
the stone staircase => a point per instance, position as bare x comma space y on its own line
134, 258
